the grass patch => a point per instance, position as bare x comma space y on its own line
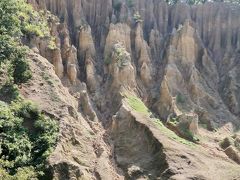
55, 97
48, 79
171, 134
137, 105
173, 121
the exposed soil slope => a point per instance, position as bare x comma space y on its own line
180, 61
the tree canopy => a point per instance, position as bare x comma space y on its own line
23, 152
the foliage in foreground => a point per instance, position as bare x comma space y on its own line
26, 135
18, 19
27, 138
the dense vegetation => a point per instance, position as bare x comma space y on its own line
17, 18
26, 135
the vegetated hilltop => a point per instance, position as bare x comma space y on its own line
119, 89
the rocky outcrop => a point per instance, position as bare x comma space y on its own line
180, 59
81, 151
72, 73
165, 100
152, 140
117, 33
86, 106
142, 158
86, 44
197, 36
231, 146
184, 125
187, 70
87, 54
233, 154
120, 68
142, 51
57, 62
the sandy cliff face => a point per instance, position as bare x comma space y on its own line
181, 61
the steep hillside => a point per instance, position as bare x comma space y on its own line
27, 135
135, 89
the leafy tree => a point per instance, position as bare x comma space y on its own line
26, 135
17, 19
20, 147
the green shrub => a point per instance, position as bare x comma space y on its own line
27, 137
11, 51
173, 121
52, 45
23, 152
137, 17
184, 128
121, 55
9, 92
180, 99
17, 19
189, 135
9, 22
117, 5
21, 72
45, 139
25, 110
26, 173
9, 48
32, 22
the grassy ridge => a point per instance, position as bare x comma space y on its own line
136, 104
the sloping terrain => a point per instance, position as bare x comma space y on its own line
141, 89
81, 150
